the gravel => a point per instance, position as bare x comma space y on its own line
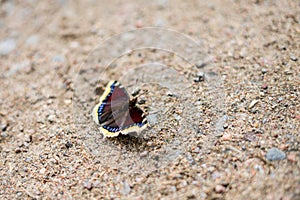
275, 154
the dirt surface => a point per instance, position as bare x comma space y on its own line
224, 124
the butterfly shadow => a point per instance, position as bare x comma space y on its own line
129, 143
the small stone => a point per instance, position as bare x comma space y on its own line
18, 150
226, 137
74, 45
253, 103
3, 127
288, 72
283, 147
7, 46
136, 92
88, 185
177, 117
199, 77
225, 126
69, 144
201, 64
32, 40
144, 154
43, 170
275, 154
250, 136
220, 189
152, 119
51, 118
160, 22
292, 157
4, 135
150, 144
126, 188
28, 138
207, 120
264, 70
196, 150
139, 24
256, 125
58, 58
264, 86
140, 180
258, 168
141, 101
293, 58
67, 101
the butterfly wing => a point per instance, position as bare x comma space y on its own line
115, 113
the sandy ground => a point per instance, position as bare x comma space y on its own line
222, 125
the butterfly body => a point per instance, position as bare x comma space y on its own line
116, 113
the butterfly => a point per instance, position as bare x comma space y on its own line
116, 113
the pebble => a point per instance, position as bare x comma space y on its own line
18, 150
220, 189
264, 86
136, 92
199, 77
255, 124
150, 144
226, 137
3, 135
196, 150
139, 24
88, 185
28, 138
58, 58
51, 118
67, 101
7, 46
141, 101
283, 146
207, 120
152, 119
288, 72
160, 22
177, 117
250, 136
4, 125
275, 154
292, 157
253, 103
69, 144
74, 45
264, 70
162, 3
126, 188
293, 58
200, 64
43, 170
225, 126
32, 40
144, 154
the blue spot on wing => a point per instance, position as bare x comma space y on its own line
101, 107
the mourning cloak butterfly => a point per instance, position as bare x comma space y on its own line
116, 113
